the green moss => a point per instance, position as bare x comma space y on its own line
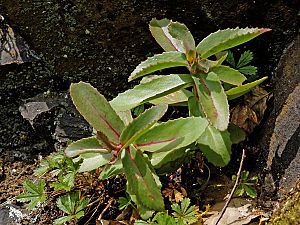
289, 212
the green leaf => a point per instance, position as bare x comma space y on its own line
159, 30
92, 161
243, 89
72, 203
250, 191
237, 134
142, 124
225, 39
141, 180
230, 59
229, 75
124, 202
248, 70
159, 62
246, 58
63, 220
139, 110
34, 193
180, 32
175, 98
85, 145
125, 116
96, 110
111, 170
213, 99
65, 182
172, 134
215, 145
168, 161
184, 213
244, 175
239, 190
53, 161
155, 88
221, 57
195, 108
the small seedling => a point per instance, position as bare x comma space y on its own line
72, 204
183, 214
34, 193
243, 63
246, 185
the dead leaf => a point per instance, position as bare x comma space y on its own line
248, 114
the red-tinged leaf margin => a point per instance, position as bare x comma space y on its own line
142, 124
141, 180
96, 110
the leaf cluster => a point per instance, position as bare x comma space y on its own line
182, 214
246, 185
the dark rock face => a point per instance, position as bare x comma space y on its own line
101, 42
280, 140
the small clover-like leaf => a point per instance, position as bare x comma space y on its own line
34, 193
245, 58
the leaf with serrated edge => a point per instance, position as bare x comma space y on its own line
181, 33
85, 145
96, 110
229, 75
246, 58
159, 30
243, 89
213, 99
172, 134
215, 145
144, 92
248, 70
225, 39
142, 124
140, 179
159, 62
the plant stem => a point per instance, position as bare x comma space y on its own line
233, 189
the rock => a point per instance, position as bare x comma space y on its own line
10, 213
54, 116
280, 142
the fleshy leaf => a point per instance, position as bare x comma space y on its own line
215, 145
155, 88
142, 124
213, 99
92, 161
159, 30
172, 134
225, 39
181, 33
96, 110
243, 89
195, 108
141, 180
168, 161
175, 98
159, 62
85, 145
229, 75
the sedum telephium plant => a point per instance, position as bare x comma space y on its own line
142, 147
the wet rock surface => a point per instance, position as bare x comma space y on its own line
280, 142
102, 41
